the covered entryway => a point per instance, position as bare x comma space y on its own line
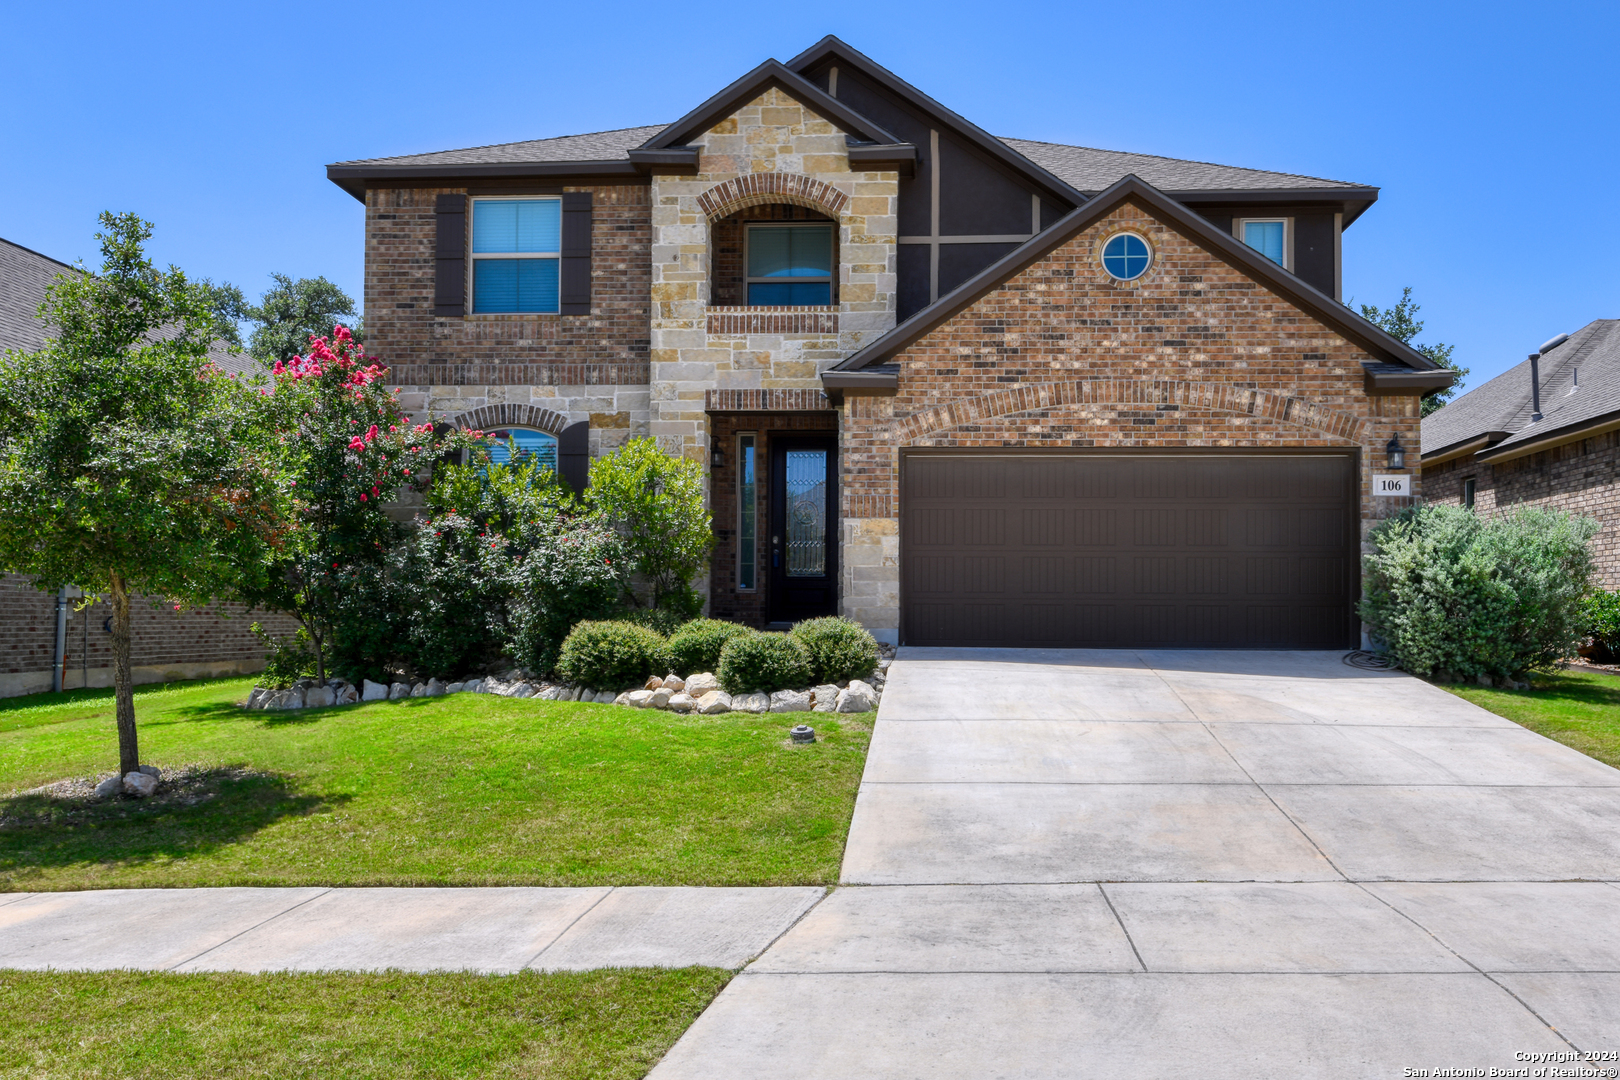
1202, 549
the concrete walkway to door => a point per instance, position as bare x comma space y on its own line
1151, 864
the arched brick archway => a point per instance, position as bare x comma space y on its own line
1216, 397
756, 189
495, 417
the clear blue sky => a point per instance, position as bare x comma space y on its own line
1492, 129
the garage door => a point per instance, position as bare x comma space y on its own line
1144, 550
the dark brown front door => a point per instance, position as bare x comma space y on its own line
1212, 550
804, 528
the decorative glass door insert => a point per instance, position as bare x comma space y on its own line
806, 513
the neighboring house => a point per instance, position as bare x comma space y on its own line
964, 389
167, 645
1544, 433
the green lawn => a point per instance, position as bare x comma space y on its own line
462, 790
123, 1024
1580, 709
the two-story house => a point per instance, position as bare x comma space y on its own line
965, 389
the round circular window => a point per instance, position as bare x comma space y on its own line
1127, 256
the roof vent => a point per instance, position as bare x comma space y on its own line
1535, 387
1553, 343
1574, 379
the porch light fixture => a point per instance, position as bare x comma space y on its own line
717, 456
1395, 453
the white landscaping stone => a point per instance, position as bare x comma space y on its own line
790, 701
399, 690
150, 770
373, 691
606, 697
419, 690
455, 688
473, 686
346, 694
681, 703
550, 693
857, 697
139, 784
752, 703
701, 683
826, 698
622, 699
110, 787
435, 688
715, 701
674, 683
519, 689
661, 698
570, 693
317, 697
289, 699
639, 699
255, 697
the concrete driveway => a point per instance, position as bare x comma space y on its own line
1214, 864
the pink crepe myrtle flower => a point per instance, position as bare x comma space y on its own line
372, 434
357, 443
362, 496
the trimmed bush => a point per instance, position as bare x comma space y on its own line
839, 649
663, 620
1601, 611
763, 663
610, 655
1453, 592
696, 646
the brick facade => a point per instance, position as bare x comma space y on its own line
1579, 477
1194, 353
207, 642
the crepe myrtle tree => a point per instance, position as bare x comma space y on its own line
128, 463
346, 449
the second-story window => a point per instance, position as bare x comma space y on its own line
516, 245
1268, 236
790, 265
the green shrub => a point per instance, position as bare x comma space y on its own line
655, 502
1601, 611
286, 659
1451, 591
696, 646
663, 620
762, 663
839, 649
611, 655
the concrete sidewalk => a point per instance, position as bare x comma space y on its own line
486, 930
1191, 864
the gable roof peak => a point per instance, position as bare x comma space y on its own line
751, 85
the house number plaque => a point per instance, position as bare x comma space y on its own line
1392, 484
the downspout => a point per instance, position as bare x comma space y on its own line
59, 661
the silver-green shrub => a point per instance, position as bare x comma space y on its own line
1457, 593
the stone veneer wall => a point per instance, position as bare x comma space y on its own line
772, 150
204, 643
1194, 353
1580, 477
584, 367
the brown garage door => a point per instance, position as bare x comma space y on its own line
1143, 550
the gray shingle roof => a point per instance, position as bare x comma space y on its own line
1093, 170
24, 276
1503, 404
596, 146
1086, 169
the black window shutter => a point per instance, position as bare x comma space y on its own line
576, 253
574, 453
450, 256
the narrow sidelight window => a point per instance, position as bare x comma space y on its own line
1268, 236
790, 265
1468, 492
747, 513
516, 245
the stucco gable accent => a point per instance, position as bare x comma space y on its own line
495, 417
755, 189
1215, 397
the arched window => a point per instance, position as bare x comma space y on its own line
530, 444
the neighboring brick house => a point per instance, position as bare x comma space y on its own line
203, 643
967, 390
1544, 433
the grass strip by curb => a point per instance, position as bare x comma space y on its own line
1580, 709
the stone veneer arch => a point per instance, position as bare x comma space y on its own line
757, 189
505, 415
1216, 397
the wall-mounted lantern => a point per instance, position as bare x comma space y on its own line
1395, 453
717, 455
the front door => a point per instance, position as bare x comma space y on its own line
804, 528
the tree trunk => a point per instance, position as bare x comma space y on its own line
129, 753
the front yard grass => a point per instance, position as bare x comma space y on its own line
1580, 709
118, 1024
462, 790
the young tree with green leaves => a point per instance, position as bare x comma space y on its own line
1401, 322
655, 502
290, 313
128, 463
